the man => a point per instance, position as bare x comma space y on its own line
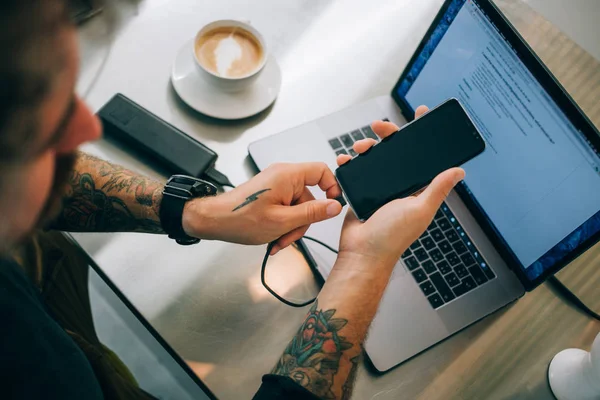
45, 350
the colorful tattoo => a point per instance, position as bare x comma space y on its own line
313, 356
250, 199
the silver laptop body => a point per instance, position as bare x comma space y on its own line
406, 323
530, 203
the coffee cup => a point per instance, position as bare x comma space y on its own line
230, 54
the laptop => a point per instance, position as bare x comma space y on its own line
529, 205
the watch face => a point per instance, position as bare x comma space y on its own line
203, 189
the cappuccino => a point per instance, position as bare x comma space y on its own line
229, 52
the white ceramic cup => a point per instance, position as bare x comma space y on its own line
231, 84
574, 374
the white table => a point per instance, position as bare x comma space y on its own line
207, 300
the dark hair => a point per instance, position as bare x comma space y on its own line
29, 61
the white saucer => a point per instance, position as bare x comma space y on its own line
208, 100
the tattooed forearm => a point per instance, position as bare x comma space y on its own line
312, 359
319, 358
103, 197
250, 199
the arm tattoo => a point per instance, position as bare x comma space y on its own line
348, 385
250, 199
102, 197
313, 356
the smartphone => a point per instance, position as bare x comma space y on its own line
408, 160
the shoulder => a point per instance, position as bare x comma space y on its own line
15, 287
39, 360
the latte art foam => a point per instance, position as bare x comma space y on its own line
229, 52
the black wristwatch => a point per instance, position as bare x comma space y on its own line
178, 190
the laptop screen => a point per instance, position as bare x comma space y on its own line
538, 182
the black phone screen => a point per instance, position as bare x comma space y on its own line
409, 159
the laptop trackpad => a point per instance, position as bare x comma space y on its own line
405, 323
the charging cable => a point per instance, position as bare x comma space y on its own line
217, 177
572, 297
263, 270
222, 180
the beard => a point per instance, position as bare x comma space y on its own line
63, 168
64, 165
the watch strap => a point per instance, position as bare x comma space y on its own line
178, 190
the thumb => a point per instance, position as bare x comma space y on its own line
440, 188
313, 211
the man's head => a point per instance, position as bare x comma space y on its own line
42, 121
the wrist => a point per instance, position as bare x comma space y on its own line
364, 262
198, 218
357, 281
381, 258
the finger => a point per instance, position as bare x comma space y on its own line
363, 145
304, 197
384, 129
420, 111
343, 159
437, 191
318, 173
289, 238
309, 212
274, 250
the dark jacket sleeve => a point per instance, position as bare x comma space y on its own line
276, 387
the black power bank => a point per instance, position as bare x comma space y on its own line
129, 123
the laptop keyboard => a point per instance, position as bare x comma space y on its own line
444, 261
343, 143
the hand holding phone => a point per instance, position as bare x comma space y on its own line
395, 226
407, 161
